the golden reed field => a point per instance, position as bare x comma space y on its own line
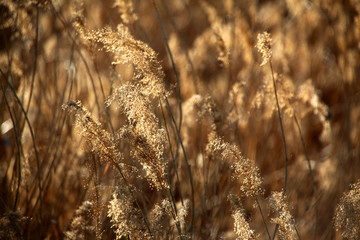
184, 119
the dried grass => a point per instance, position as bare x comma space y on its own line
112, 130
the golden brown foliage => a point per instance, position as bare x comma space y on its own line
283, 217
126, 220
347, 218
81, 226
181, 119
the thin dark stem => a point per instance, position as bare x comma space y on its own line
184, 46
189, 171
60, 128
35, 58
283, 138
173, 158
297, 232
61, 18
103, 94
275, 231
263, 218
32, 137
136, 202
18, 144
172, 62
174, 210
306, 153
310, 170
282, 131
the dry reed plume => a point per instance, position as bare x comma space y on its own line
179, 119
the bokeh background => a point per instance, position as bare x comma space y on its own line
46, 172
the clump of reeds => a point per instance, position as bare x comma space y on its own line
347, 216
283, 218
241, 226
81, 226
126, 220
243, 168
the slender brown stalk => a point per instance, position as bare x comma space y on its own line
31, 133
282, 131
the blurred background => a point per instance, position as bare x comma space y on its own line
46, 173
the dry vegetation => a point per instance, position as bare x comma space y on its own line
186, 119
